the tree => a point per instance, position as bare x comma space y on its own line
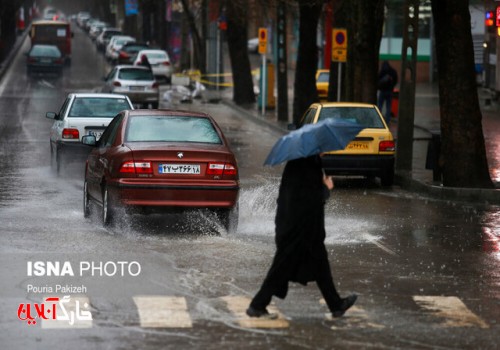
237, 36
463, 153
307, 58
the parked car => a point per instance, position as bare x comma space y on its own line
322, 80
159, 62
371, 153
137, 82
253, 45
128, 51
81, 114
96, 28
162, 159
115, 44
103, 39
44, 59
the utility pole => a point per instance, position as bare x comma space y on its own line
282, 63
404, 151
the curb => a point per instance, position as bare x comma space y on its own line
475, 195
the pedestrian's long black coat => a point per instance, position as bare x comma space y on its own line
300, 229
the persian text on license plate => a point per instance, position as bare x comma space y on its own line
179, 169
136, 88
357, 145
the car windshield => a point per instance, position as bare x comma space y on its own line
172, 129
97, 107
135, 74
45, 51
366, 117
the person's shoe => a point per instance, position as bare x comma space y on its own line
264, 314
345, 305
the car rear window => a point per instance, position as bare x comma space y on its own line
157, 55
323, 77
135, 74
366, 117
45, 51
96, 107
172, 129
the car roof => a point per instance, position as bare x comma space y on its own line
129, 66
167, 113
93, 94
343, 104
152, 51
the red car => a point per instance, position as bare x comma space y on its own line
162, 159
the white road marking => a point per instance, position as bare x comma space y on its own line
74, 315
452, 309
163, 311
238, 305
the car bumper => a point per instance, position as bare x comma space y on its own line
357, 164
140, 193
140, 97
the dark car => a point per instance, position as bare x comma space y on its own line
44, 59
162, 159
129, 50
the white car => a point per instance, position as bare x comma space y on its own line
159, 61
81, 114
115, 44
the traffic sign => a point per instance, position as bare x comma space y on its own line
339, 37
262, 41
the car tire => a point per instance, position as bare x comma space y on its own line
86, 201
58, 162
107, 211
229, 219
154, 105
387, 176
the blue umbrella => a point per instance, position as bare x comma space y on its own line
328, 135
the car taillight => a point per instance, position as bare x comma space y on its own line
221, 169
32, 59
116, 83
166, 63
70, 134
59, 61
123, 55
138, 168
155, 85
386, 146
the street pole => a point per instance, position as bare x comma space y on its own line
263, 99
339, 81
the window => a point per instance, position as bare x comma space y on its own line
109, 135
91, 107
172, 129
135, 74
366, 117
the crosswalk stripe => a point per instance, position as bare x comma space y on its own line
76, 314
157, 311
238, 305
452, 309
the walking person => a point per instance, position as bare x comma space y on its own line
301, 254
387, 80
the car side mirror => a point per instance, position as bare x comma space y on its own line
51, 115
89, 140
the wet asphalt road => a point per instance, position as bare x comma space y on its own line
427, 272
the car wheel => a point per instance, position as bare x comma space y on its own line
387, 176
58, 161
154, 105
86, 200
229, 219
107, 212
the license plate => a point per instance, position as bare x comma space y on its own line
357, 146
96, 133
179, 169
45, 60
137, 88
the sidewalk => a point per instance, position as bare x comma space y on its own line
427, 118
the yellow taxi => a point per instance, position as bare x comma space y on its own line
322, 78
371, 153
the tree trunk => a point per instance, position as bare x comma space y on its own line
237, 37
463, 153
307, 58
364, 36
198, 42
